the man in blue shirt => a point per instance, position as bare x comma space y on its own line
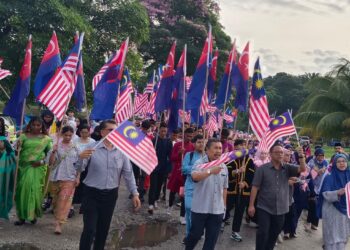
187, 164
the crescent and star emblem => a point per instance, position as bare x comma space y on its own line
133, 134
284, 119
51, 48
245, 53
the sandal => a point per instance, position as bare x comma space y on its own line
58, 229
33, 222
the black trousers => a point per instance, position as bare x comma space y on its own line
289, 222
312, 213
155, 186
98, 211
211, 223
269, 228
242, 203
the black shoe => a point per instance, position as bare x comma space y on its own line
20, 222
71, 213
184, 241
33, 222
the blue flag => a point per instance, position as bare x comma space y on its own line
14, 106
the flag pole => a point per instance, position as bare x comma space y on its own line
5, 92
207, 75
296, 132
184, 97
226, 93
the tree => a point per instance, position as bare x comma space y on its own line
105, 23
326, 110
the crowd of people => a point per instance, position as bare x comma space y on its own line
61, 164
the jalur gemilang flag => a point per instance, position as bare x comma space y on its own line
79, 92
58, 92
279, 127
259, 117
49, 64
15, 105
135, 145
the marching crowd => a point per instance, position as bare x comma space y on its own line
61, 164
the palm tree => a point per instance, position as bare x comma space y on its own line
326, 111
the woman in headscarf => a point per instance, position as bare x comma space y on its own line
34, 145
7, 170
261, 158
332, 205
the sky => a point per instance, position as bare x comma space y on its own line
293, 36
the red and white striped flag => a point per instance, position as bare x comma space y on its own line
135, 145
347, 197
58, 92
150, 107
258, 110
204, 103
4, 72
228, 118
97, 78
225, 157
212, 125
185, 115
188, 81
279, 127
124, 108
140, 104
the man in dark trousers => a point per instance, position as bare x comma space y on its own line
106, 166
271, 181
163, 147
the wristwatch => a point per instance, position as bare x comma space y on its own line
208, 171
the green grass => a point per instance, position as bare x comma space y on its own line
329, 151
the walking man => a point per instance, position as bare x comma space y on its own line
271, 181
209, 198
106, 166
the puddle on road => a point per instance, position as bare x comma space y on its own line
148, 234
18, 246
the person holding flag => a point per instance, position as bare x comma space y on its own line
271, 181
107, 165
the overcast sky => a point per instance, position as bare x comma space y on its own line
294, 36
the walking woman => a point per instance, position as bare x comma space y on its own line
64, 177
335, 223
7, 170
34, 144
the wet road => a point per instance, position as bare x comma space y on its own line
41, 235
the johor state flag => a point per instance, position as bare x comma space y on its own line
106, 91
212, 76
163, 98
14, 106
240, 80
199, 80
79, 92
50, 62
178, 92
225, 87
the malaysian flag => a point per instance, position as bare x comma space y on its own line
281, 126
150, 106
150, 85
4, 72
185, 116
258, 110
58, 92
204, 103
228, 118
135, 145
188, 81
97, 78
212, 125
124, 109
140, 103
225, 157
347, 198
